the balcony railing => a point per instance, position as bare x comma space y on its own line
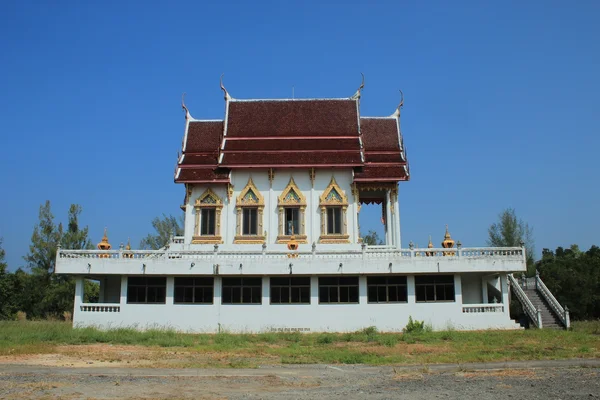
100, 307
482, 308
365, 252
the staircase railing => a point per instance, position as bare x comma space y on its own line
562, 313
534, 314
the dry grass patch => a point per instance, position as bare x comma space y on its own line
500, 373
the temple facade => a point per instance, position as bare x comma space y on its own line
272, 240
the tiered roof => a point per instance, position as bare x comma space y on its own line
292, 133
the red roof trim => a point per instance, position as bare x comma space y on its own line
289, 137
386, 179
291, 165
289, 151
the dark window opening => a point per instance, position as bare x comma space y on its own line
334, 220
290, 290
292, 221
207, 221
338, 289
249, 221
194, 290
387, 289
431, 288
146, 290
242, 291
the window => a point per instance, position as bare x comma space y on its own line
194, 290
291, 210
208, 215
249, 219
334, 204
242, 291
338, 289
386, 289
249, 215
292, 221
334, 220
430, 288
290, 290
146, 290
207, 220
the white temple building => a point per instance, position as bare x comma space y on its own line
273, 193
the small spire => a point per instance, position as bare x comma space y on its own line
356, 96
430, 245
227, 96
128, 247
104, 245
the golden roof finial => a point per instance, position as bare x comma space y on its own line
104, 245
128, 247
447, 243
430, 245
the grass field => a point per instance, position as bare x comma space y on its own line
166, 348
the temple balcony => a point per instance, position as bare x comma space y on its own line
320, 260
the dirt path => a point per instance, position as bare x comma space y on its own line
304, 382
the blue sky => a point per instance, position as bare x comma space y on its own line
500, 104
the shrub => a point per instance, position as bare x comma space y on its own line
21, 316
68, 316
414, 326
325, 338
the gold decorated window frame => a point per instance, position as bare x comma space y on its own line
282, 204
197, 238
324, 203
242, 203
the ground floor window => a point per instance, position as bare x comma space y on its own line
146, 290
387, 289
430, 288
338, 289
194, 290
242, 291
290, 290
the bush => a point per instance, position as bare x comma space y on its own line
414, 326
21, 316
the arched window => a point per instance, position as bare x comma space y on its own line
249, 220
334, 204
291, 210
207, 227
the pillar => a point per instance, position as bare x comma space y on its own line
410, 290
363, 297
170, 290
123, 299
389, 237
398, 241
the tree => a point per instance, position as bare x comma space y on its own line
7, 297
372, 239
573, 277
42, 293
511, 231
165, 227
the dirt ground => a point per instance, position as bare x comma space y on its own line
30, 381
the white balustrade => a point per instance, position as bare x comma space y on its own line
99, 307
482, 308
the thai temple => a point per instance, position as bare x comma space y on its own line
272, 242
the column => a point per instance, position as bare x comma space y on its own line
398, 241
170, 290
484, 291
410, 289
458, 290
123, 299
505, 294
266, 291
388, 218
362, 290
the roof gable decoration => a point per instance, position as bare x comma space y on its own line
396, 113
333, 195
291, 195
356, 96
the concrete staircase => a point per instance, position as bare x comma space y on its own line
549, 319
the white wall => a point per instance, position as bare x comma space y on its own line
313, 317
471, 289
239, 180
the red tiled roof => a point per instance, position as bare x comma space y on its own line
381, 173
202, 175
282, 144
204, 136
280, 118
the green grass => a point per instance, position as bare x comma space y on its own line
367, 346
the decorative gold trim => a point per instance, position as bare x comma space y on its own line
324, 203
333, 185
207, 239
249, 239
311, 175
229, 192
218, 206
240, 203
271, 175
282, 202
302, 239
281, 199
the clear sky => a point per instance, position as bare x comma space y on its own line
500, 104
